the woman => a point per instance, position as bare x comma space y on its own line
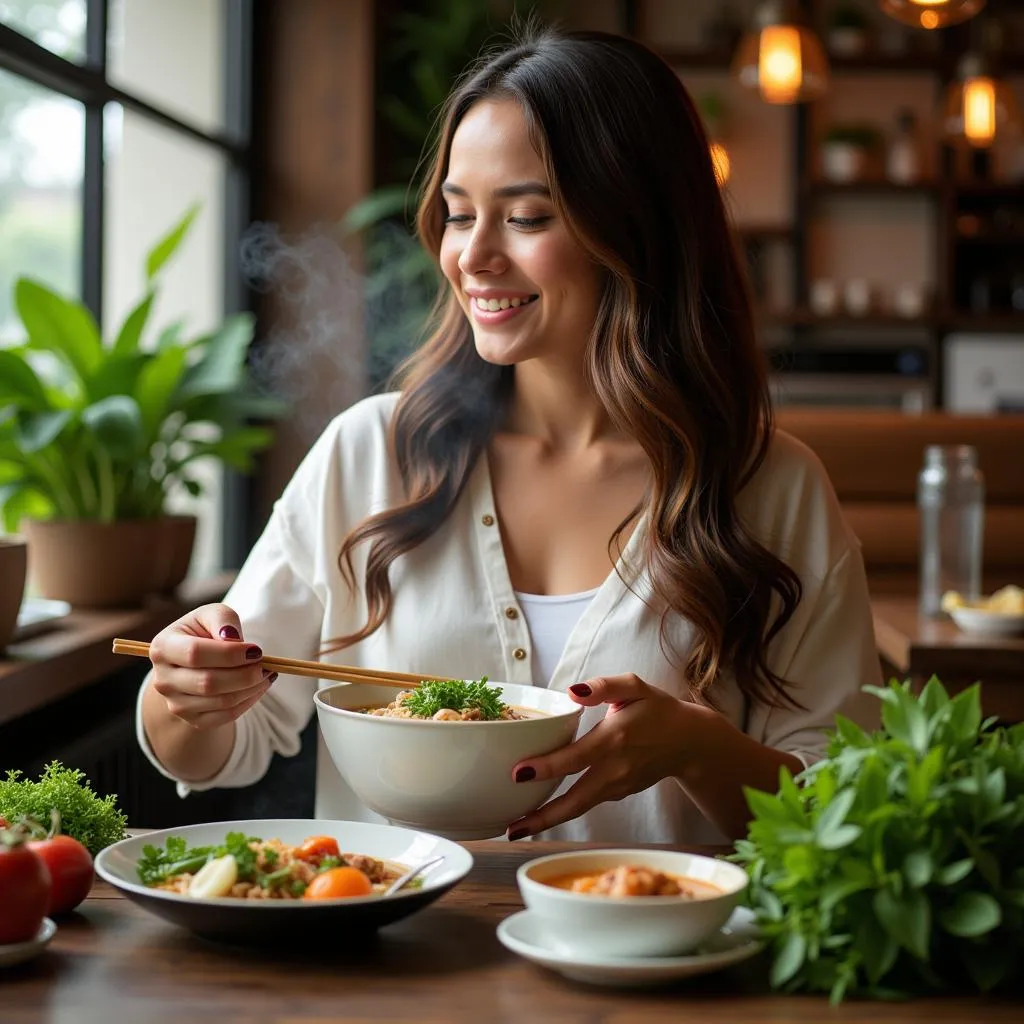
578, 485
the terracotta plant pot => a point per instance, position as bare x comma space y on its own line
13, 564
109, 565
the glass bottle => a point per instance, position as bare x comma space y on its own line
902, 161
951, 503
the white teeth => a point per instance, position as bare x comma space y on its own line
494, 305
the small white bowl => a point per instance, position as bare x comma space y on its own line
450, 778
629, 926
983, 622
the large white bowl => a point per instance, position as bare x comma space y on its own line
450, 778
630, 926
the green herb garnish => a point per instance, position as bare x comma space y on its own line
94, 821
458, 695
895, 866
157, 864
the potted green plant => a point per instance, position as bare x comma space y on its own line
95, 435
848, 28
846, 150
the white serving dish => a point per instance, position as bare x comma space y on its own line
987, 623
269, 922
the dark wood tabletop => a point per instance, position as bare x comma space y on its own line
111, 962
917, 647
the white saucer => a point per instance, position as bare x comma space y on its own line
18, 952
738, 940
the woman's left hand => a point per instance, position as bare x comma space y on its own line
641, 741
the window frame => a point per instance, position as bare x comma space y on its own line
88, 83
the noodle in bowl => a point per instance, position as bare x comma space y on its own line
452, 778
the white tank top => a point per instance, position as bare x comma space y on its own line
550, 619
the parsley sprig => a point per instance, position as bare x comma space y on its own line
176, 857
458, 694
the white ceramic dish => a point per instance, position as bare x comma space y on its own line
524, 933
987, 623
265, 921
578, 924
450, 778
18, 952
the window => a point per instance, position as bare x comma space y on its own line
116, 116
42, 136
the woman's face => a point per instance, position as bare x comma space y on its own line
529, 290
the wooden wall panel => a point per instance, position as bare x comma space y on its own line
313, 129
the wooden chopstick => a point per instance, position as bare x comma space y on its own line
297, 667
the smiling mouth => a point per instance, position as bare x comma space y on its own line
496, 305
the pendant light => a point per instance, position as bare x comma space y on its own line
931, 13
781, 57
979, 108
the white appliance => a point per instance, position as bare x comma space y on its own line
984, 373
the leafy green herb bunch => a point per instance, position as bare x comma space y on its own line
458, 695
895, 866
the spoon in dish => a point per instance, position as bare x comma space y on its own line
411, 874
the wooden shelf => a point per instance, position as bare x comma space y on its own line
989, 190
76, 651
842, 321
874, 188
990, 238
995, 323
986, 323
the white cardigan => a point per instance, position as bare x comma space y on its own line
448, 618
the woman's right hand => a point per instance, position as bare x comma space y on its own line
205, 673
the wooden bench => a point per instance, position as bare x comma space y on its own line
873, 459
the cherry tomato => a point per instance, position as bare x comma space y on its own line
318, 847
339, 883
71, 873
24, 889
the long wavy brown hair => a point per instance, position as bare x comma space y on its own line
672, 354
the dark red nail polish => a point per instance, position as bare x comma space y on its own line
581, 690
517, 833
526, 773
253, 653
273, 678
229, 633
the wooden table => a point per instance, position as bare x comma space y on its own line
113, 963
917, 647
